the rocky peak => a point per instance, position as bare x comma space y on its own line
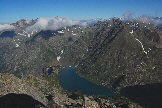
24, 23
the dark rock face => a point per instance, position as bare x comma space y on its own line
9, 34
152, 35
2, 61
148, 96
19, 101
45, 34
50, 71
160, 25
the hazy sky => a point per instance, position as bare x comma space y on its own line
12, 10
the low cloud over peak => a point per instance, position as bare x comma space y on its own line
144, 18
6, 27
54, 24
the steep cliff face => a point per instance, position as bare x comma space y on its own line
120, 54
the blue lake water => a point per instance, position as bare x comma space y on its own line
72, 82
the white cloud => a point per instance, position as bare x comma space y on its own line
128, 16
53, 24
149, 19
6, 27
145, 19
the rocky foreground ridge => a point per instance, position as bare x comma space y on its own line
38, 92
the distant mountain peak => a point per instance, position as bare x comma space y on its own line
24, 23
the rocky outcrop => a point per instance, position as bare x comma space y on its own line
38, 92
11, 84
13, 100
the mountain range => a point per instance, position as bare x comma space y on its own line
113, 53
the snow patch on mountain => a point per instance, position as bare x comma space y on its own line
58, 58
